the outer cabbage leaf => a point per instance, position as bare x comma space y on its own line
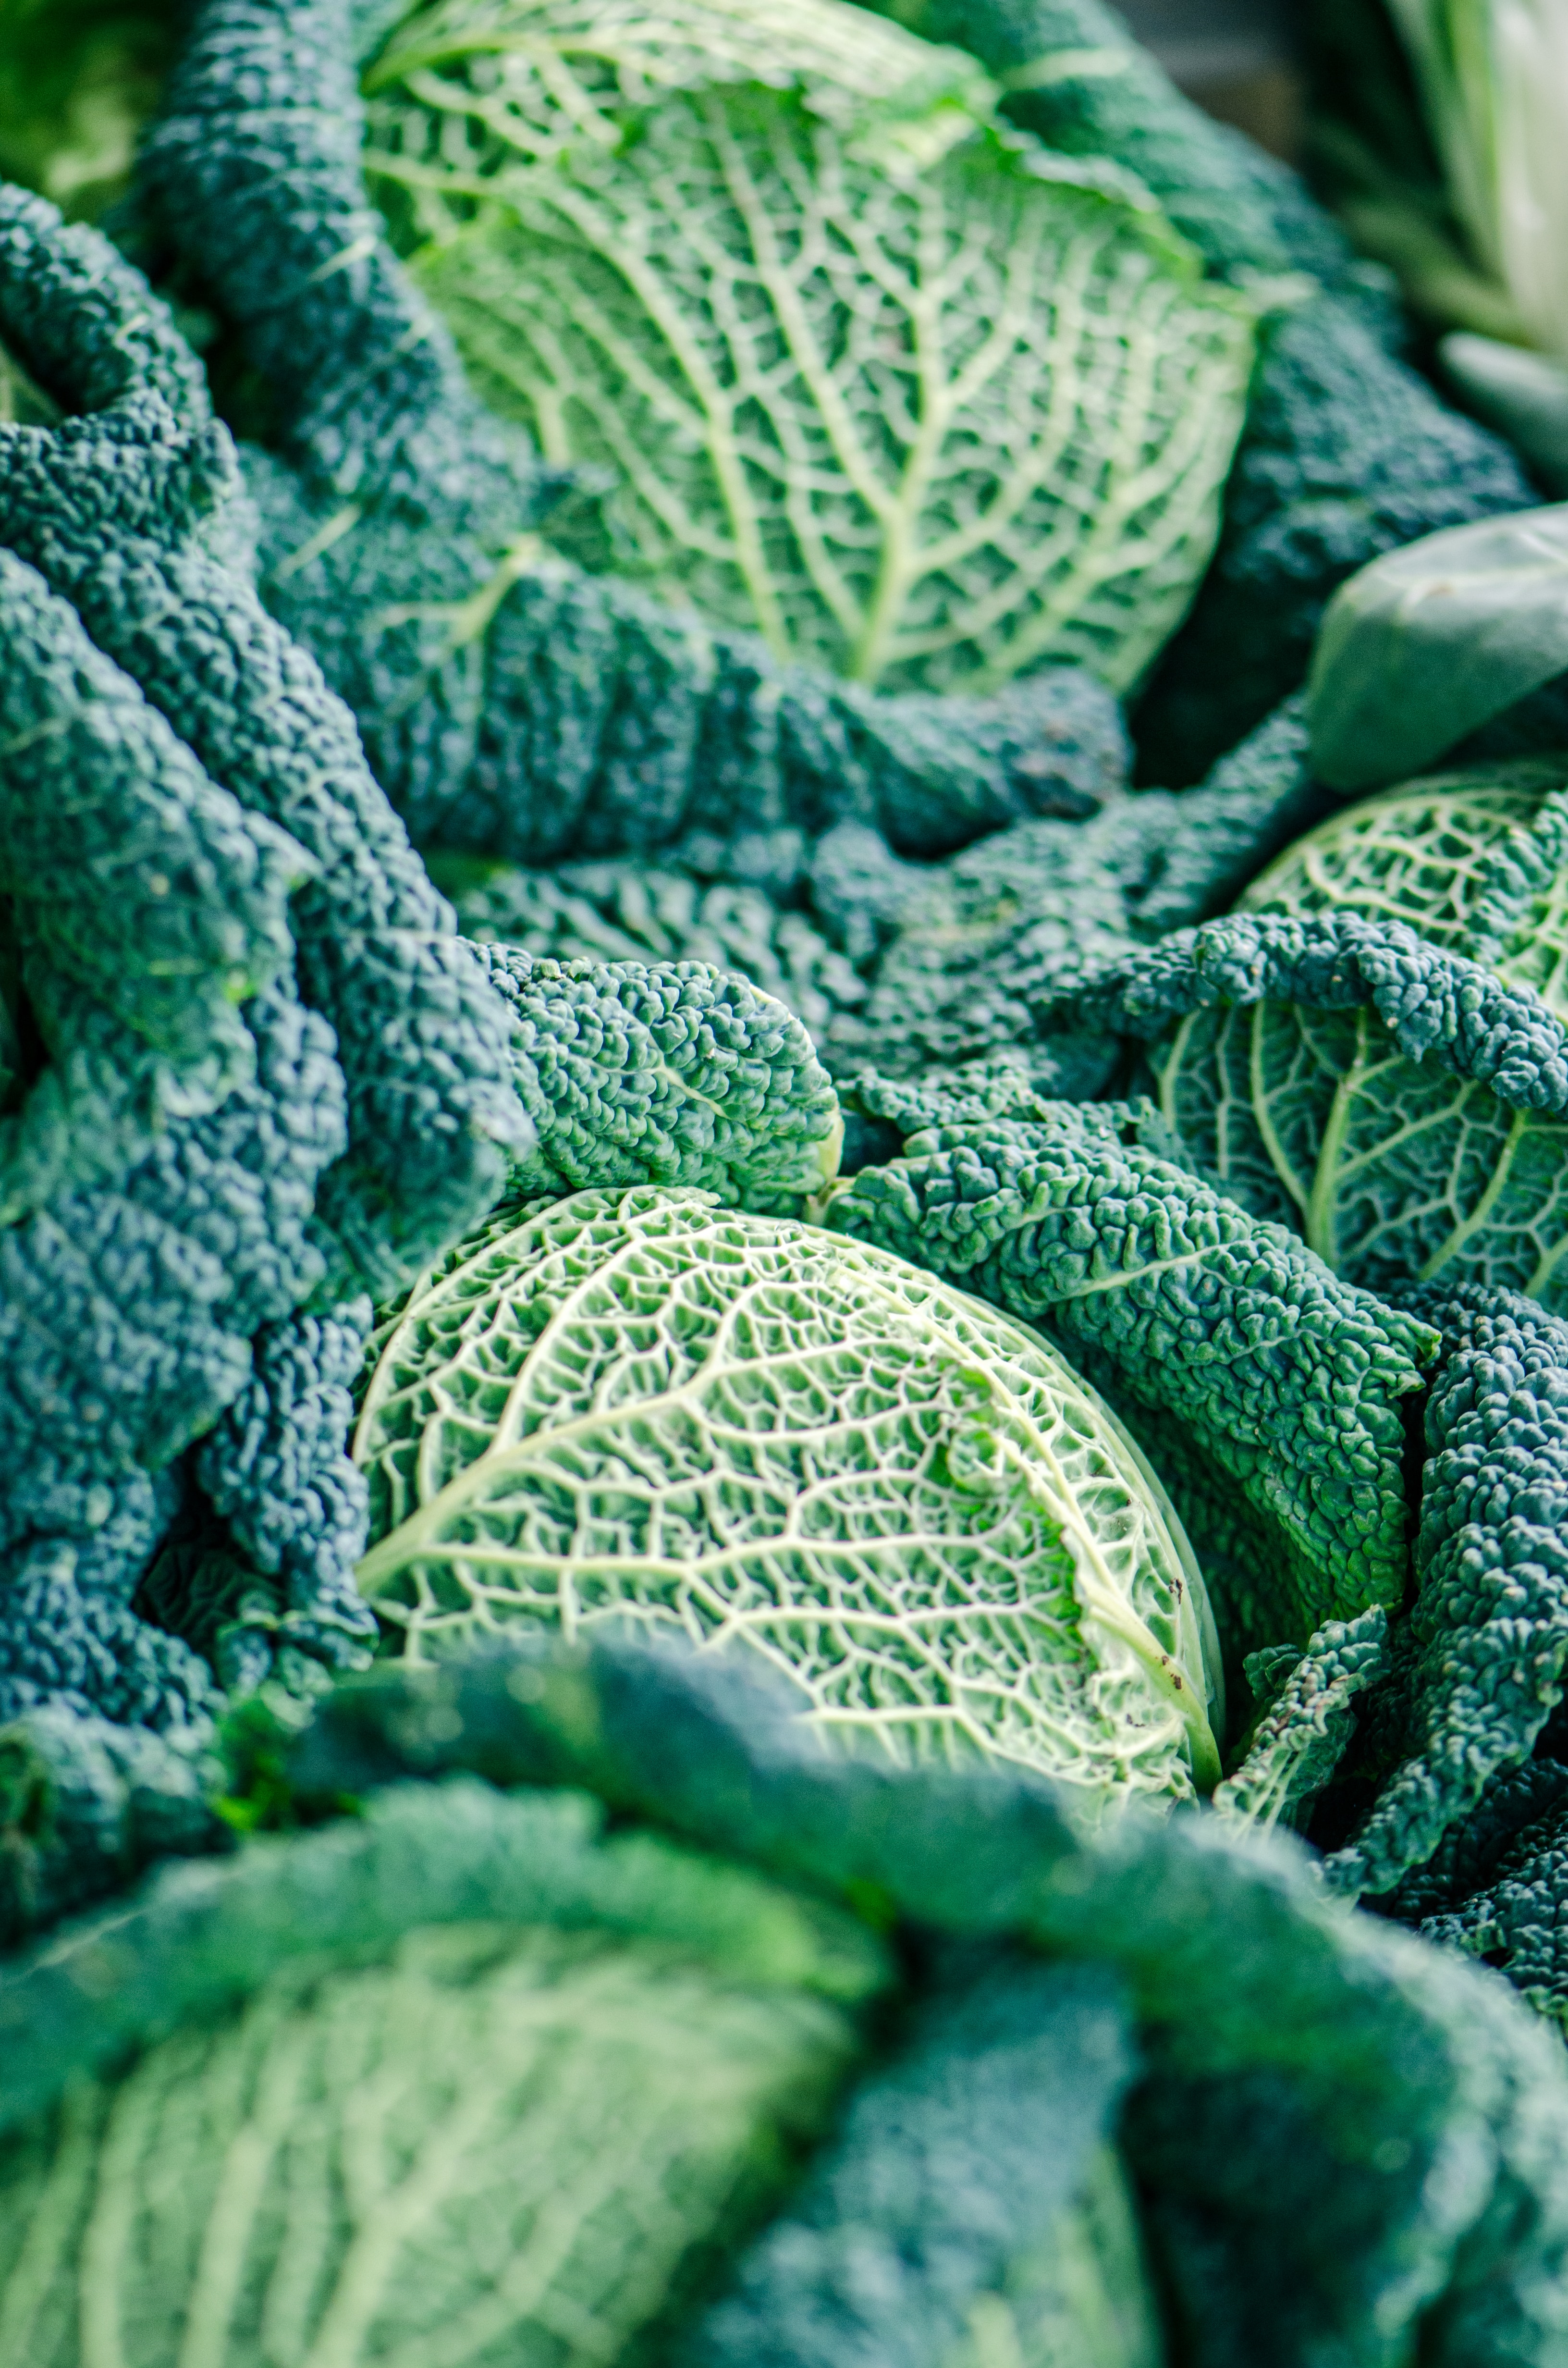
927, 419
1476, 859
1397, 1105
508, 702
1348, 450
982, 944
938, 2230
758, 1434
1490, 1619
435, 2083
667, 1073
1431, 641
1282, 1375
1519, 1919
631, 911
1348, 2145
1299, 1740
1469, 1852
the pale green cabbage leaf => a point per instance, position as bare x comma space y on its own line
916, 401
414, 2139
1475, 859
758, 1433
1396, 1170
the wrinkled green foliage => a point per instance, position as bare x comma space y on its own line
1081, 2300
1476, 859
1489, 1625
1339, 2138
249, 1046
1398, 1106
468, 2077
1516, 1920
1284, 1377
1305, 1720
925, 409
510, 704
621, 911
917, 2236
765, 1437
1347, 451
669, 1074
980, 946
1431, 641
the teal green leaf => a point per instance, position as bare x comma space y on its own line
1399, 1106
630, 910
965, 2182
1278, 1373
1299, 1740
758, 1434
1393, 1171
917, 401
522, 2085
1518, 1920
1351, 2146
1432, 641
1475, 860
1488, 1630
667, 1073
1082, 2300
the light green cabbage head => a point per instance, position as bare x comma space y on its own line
860, 369
764, 1436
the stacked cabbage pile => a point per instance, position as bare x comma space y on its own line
691, 1314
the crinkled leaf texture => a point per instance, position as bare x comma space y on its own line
627, 910
1489, 1626
1518, 1920
1398, 1106
664, 1073
1475, 860
435, 2086
1349, 2147
1274, 1371
545, 70
508, 702
938, 2227
918, 401
1301, 1737
756, 1433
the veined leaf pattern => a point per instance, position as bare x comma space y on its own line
764, 1435
915, 401
502, 2145
1396, 1170
510, 79
1392, 1170
1476, 859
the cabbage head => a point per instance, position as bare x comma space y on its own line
855, 366
637, 1407
1397, 1169
1474, 859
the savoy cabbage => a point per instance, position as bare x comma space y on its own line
918, 401
1325, 2140
640, 1407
